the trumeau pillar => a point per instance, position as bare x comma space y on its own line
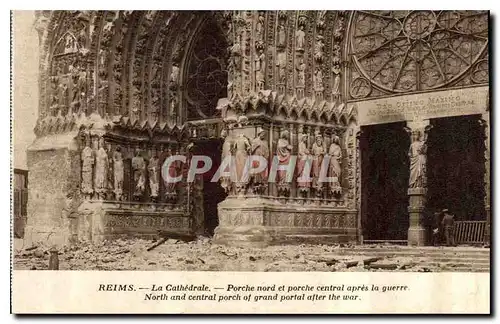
417, 186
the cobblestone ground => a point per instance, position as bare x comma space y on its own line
202, 255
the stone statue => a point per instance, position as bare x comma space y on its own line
260, 68
283, 152
281, 35
318, 49
259, 29
334, 168
236, 55
318, 80
300, 36
63, 95
242, 149
260, 148
69, 44
301, 73
87, 170
101, 171
75, 96
118, 171
54, 95
418, 161
303, 165
139, 171
281, 64
154, 173
336, 82
174, 170
227, 148
174, 76
318, 151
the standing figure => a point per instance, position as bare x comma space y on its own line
227, 148
174, 76
318, 151
283, 152
139, 170
303, 166
260, 68
154, 173
301, 73
336, 82
87, 169
448, 222
118, 171
281, 35
174, 170
318, 80
418, 161
281, 64
300, 36
260, 148
242, 148
101, 171
335, 169
259, 29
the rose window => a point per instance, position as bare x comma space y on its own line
403, 51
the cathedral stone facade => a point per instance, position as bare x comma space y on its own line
397, 100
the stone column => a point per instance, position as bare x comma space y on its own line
485, 121
417, 186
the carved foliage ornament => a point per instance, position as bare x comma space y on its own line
402, 51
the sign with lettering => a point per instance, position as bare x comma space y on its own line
115, 222
468, 101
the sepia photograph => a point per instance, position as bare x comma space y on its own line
283, 141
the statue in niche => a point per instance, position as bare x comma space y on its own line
303, 166
281, 64
283, 152
139, 171
281, 35
242, 150
69, 44
118, 172
75, 95
300, 36
260, 67
334, 168
54, 95
236, 54
174, 170
318, 80
318, 49
173, 109
174, 76
260, 148
227, 149
318, 151
259, 29
63, 96
88, 161
154, 173
336, 82
111, 172
101, 171
301, 73
418, 160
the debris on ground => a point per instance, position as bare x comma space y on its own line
199, 254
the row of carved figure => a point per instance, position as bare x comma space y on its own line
103, 175
308, 166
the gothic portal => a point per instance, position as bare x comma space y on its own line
121, 91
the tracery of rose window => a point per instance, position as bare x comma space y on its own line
207, 75
404, 51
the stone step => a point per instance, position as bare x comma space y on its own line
410, 253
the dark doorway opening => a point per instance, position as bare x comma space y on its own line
213, 193
384, 182
456, 167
